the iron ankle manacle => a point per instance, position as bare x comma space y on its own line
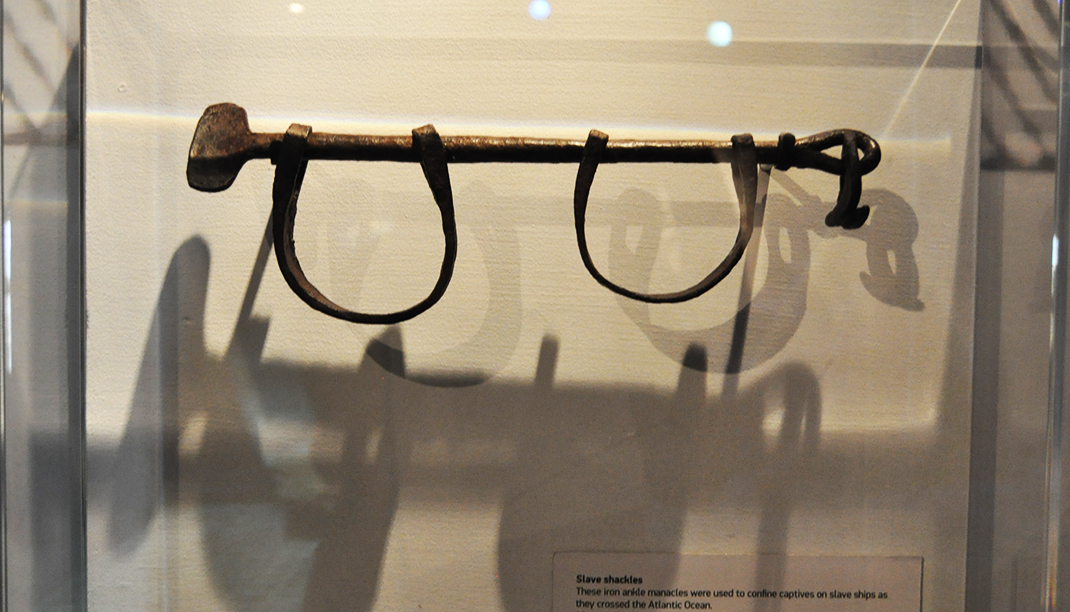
223, 142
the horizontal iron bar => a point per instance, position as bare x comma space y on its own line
490, 149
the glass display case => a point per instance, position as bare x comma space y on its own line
857, 411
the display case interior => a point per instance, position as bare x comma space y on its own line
857, 378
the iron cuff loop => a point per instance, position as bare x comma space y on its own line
745, 178
289, 173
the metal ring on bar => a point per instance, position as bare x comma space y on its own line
289, 173
745, 178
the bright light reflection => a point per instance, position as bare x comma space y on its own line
297, 8
539, 9
1054, 279
917, 74
719, 33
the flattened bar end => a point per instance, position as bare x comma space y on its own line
221, 144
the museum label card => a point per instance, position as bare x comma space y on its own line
654, 581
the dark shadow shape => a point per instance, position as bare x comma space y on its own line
797, 446
889, 237
770, 317
581, 466
175, 341
596, 475
368, 478
498, 243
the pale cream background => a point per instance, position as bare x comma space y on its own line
450, 486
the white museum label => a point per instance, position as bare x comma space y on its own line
654, 581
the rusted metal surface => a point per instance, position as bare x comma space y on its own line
223, 143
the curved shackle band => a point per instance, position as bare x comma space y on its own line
745, 178
847, 213
289, 173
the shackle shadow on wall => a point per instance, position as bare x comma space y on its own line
295, 472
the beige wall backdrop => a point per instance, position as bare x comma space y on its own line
275, 459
